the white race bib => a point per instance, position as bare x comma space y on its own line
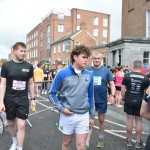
97, 80
18, 85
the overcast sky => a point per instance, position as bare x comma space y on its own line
19, 17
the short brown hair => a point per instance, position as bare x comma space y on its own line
16, 45
137, 64
81, 49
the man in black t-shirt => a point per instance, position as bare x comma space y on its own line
133, 88
16, 77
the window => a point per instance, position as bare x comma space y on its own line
63, 47
105, 42
78, 16
60, 28
148, 24
59, 48
48, 29
77, 43
105, 22
146, 58
54, 49
78, 28
95, 20
41, 43
61, 16
41, 33
104, 33
95, 32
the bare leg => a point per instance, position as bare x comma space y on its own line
12, 128
101, 117
21, 132
129, 125
138, 128
67, 139
81, 141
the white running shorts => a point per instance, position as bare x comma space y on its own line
76, 123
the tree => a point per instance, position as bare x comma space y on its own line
3, 60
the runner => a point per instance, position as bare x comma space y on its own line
102, 77
76, 99
16, 76
133, 87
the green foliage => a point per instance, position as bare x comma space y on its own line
3, 60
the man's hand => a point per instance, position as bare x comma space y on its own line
91, 122
112, 99
2, 107
67, 112
33, 104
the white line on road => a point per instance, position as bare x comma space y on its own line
112, 132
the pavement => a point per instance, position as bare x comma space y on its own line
44, 134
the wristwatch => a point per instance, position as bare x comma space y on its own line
33, 98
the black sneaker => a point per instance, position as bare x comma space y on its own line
138, 145
128, 142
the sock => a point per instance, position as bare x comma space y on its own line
14, 139
19, 148
87, 143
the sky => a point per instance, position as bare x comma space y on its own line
19, 17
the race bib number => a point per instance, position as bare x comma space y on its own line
18, 85
97, 80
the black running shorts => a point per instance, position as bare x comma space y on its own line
132, 109
17, 108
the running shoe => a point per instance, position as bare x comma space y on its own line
128, 142
100, 143
13, 147
138, 145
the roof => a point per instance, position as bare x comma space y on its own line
65, 37
127, 39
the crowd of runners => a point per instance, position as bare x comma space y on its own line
78, 92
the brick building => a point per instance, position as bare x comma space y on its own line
136, 18
135, 41
62, 47
60, 23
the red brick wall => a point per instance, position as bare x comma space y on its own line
134, 17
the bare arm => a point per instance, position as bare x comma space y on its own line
2, 92
112, 87
113, 90
145, 110
123, 90
31, 87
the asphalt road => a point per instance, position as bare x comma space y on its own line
44, 135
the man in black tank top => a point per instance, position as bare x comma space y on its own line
16, 77
133, 88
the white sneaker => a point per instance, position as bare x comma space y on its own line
45, 92
13, 147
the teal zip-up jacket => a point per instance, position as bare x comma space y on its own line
76, 92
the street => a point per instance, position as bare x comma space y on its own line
44, 135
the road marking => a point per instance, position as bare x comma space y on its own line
112, 132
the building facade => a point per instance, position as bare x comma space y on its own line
60, 23
136, 18
135, 41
